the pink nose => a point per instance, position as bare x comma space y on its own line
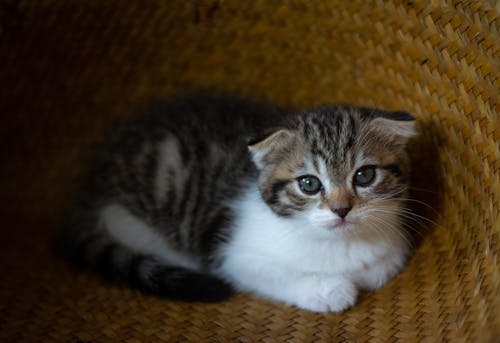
342, 212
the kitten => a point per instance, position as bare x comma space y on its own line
204, 195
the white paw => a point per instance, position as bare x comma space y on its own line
328, 295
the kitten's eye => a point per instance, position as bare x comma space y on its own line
364, 176
309, 184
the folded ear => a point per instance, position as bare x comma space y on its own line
263, 147
399, 123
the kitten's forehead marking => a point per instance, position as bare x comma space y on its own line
332, 135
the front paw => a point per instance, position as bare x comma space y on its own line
327, 295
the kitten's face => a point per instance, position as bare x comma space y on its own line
337, 167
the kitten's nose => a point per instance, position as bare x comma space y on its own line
342, 211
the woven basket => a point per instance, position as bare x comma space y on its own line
68, 70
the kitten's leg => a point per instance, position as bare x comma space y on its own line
311, 291
324, 293
124, 248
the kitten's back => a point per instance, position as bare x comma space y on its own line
171, 172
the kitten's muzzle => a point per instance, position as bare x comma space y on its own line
342, 211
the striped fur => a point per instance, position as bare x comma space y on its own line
158, 209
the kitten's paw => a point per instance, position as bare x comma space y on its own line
329, 295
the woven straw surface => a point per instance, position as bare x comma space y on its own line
68, 69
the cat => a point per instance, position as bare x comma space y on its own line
205, 195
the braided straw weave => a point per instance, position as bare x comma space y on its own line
68, 69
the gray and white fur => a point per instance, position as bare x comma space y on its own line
203, 195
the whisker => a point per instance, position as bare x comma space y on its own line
404, 223
405, 213
391, 227
416, 201
392, 195
380, 231
400, 212
422, 190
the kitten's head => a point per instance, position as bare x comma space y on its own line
337, 167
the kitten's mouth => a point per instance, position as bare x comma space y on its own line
342, 224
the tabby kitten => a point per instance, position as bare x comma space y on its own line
204, 195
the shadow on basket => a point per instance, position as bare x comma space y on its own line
425, 193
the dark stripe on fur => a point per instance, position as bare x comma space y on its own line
200, 200
167, 210
211, 237
276, 187
180, 210
352, 133
151, 166
299, 201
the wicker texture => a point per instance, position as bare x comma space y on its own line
68, 69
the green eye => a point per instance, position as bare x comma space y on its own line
309, 184
364, 176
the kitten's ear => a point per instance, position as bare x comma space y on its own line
263, 146
399, 123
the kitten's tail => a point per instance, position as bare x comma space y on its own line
144, 272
